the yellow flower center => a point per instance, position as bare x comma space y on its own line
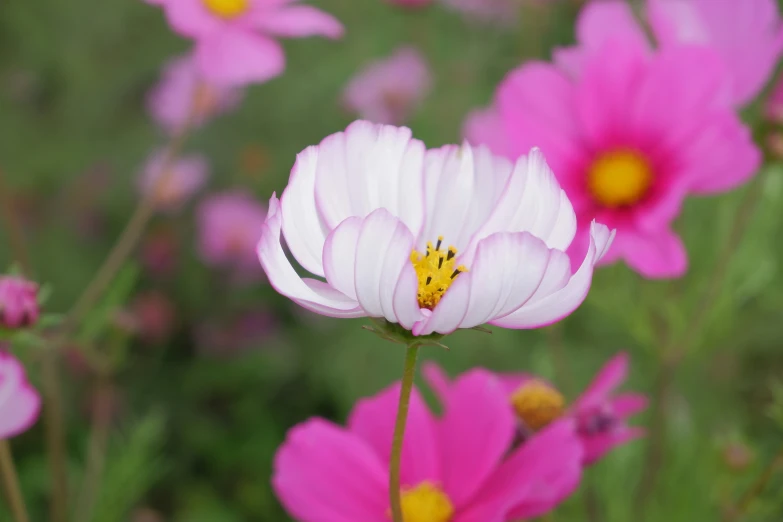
435, 270
619, 178
426, 503
537, 404
227, 8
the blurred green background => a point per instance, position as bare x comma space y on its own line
197, 418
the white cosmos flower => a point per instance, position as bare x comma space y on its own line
434, 240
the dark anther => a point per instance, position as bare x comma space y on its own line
429, 278
455, 274
440, 262
437, 245
450, 255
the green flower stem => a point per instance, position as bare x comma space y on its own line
11, 483
409, 372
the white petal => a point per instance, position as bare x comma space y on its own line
532, 202
368, 167
462, 186
448, 314
547, 309
304, 231
308, 293
384, 277
340, 255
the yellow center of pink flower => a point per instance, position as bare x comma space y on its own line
426, 503
435, 271
619, 178
227, 8
537, 404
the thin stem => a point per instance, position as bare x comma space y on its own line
409, 372
54, 427
676, 349
13, 226
757, 488
96, 453
11, 483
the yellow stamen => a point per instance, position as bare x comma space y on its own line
426, 503
227, 8
435, 270
537, 404
619, 178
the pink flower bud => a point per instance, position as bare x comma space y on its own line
18, 302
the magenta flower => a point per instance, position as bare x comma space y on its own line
229, 225
183, 178
600, 415
431, 240
462, 467
18, 302
388, 91
19, 402
774, 105
235, 38
629, 137
183, 98
746, 34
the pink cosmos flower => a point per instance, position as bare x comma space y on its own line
600, 415
432, 240
19, 402
462, 467
389, 90
629, 137
230, 224
183, 97
18, 302
183, 178
235, 38
746, 34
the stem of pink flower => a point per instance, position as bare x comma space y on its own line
676, 349
411, 353
11, 483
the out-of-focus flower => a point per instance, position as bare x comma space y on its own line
600, 415
235, 42
18, 302
172, 187
747, 35
160, 250
230, 224
238, 335
774, 107
628, 138
389, 90
461, 467
183, 98
432, 240
20, 404
737, 456
153, 316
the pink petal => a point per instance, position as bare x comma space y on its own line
596, 446
368, 167
613, 373
190, 17
553, 307
438, 380
373, 420
462, 186
654, 255
322, 472
296, 22
314, 295
20, 404
629, 404
305, 233
384, 279
542, 472
234, 57
476, 431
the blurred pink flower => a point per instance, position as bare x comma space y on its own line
20, 404
628, 138
183, 98
389, 90
235, 38
238, 335
462, 467
746, 34
600, 415
230, 225
429, 239
154, 315
774, 106
18, 302
183, 178
160, 250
